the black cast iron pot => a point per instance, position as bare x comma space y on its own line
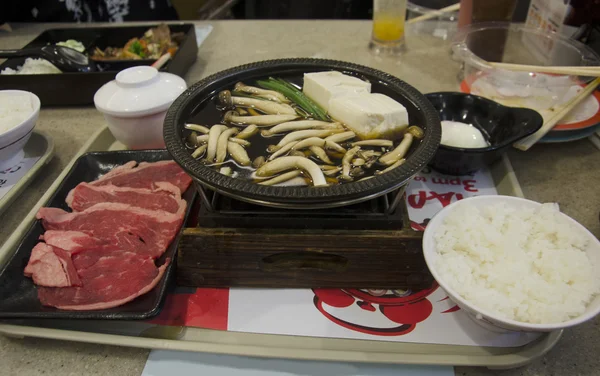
197, 105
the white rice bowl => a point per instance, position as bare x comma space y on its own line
515, 263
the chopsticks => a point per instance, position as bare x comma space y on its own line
595, 139
579, 71
528, 142
434, 14
161, 61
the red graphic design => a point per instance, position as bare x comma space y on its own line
202, 308
419, 199
403, 307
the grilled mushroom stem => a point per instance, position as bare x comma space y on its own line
308, 142
202, 139
288, 163
222, 144
346, 162
331, 172
399, 152
321, 154
297, 153
368, 154
281, 151
238, 153
197, 128
259, 161
258, 120
263, 93
358, 162
239, 141
299, 125
334, 146
377, 142
341, 137
199, 151
213, 138
228, 101
248, 132
301, 135
398, 163
281, 178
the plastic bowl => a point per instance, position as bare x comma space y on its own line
486, 318
13, 140
479, 44
500, 125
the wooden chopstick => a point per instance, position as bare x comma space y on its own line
528, 142
595, 139
434, 14
579, 71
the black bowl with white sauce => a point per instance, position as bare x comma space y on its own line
200, 105
477, 131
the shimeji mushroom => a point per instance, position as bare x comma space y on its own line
288, 163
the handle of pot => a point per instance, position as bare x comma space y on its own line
303, 260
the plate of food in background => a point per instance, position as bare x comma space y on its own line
110, 49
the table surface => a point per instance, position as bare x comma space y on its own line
564, 173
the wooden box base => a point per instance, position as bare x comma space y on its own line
226, 257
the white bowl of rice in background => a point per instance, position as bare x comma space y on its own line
19, 111
514, 263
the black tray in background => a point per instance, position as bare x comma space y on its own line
18, 294
79, 88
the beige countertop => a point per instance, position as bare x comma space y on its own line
565, 173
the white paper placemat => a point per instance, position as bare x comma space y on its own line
11, 176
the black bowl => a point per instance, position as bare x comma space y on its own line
500, 125
197, 105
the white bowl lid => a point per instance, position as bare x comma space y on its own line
140, 90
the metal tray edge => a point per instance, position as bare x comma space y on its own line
264, 345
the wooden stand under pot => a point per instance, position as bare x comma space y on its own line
233, 246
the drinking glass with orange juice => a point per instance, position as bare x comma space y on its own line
388, 26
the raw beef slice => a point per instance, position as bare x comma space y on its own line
109, 279
51, 266
165, 196
74, 241
129, 228
145, 175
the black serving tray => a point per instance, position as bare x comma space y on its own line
18, 294
79, 88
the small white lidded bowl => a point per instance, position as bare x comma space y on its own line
493, 320
135, 104
14, 135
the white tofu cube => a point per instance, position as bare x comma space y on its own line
369, 115
321, 87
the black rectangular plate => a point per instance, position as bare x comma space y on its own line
79, 88
18, 294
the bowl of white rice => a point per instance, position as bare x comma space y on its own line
19, 111
514, 263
